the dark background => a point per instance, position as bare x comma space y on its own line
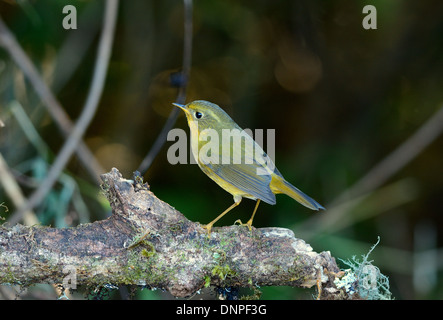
341, 99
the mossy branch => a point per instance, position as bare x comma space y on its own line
147, 242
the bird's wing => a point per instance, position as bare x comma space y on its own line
245, 178
244, 165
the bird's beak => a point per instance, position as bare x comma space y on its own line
181, 106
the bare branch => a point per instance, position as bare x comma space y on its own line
378, 175
181, 95
397, 159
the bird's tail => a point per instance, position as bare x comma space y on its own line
280, 185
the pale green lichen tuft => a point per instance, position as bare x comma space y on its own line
364, 278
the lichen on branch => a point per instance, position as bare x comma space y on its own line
147, 242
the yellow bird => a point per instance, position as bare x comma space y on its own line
243, 169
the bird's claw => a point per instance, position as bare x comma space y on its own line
248, 224
208, 228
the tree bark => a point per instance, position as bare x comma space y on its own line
147, 242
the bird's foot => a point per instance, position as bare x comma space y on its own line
208, 228
248, 224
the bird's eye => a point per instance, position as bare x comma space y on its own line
198, 115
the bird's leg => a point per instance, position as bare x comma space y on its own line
208, 227
249, 223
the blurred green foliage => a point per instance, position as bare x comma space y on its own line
340, 98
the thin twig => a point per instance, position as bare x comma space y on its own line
380, 173
14, 192
397, 159
181, 96
10, 44
73, 50
95, 92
